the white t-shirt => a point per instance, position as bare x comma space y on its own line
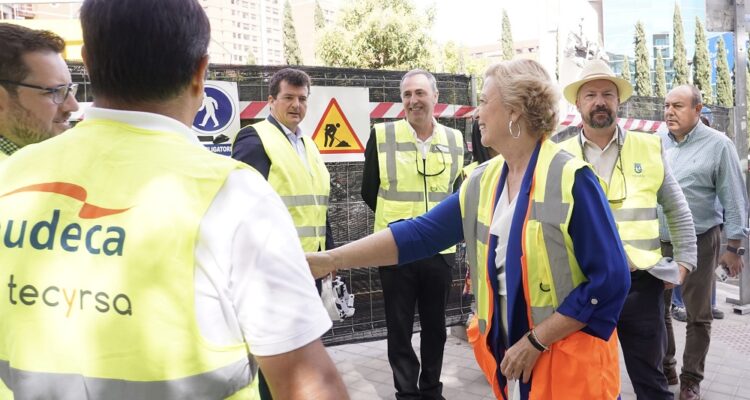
252, 282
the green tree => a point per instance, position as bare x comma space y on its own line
701, 64
507, 39
379, 34
251, 60
292, 52
680, 54
661, 77
453, 60
319, 19
643, 86
724, 89
626, 69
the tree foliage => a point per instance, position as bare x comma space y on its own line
679, 62
660, 89
292, 53
701, 64
379, 34
453, 59
507, 38
626, 69
724, 89
643, 85
318, 18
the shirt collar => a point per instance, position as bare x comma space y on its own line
7, 147
296, 134
414, 132
687, 135
144, 120
619, 135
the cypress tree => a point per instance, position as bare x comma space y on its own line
319, 19
643, 86
724, 89
661, 77
680, 54
291, 46
507, 39
701, 64
626, 69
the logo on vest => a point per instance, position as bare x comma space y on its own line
637, 168
48, 234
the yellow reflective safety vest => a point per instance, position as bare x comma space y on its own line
550, 272
304, 191
467, 170
409, 185
3, 156
631, 192
98, 229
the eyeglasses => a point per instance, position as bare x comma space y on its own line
425, 173
59, 93
623, 194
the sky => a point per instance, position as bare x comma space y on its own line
477, 22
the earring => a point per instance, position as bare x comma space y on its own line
510, 128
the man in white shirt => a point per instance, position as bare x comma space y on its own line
187, 267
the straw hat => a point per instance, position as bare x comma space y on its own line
595, 70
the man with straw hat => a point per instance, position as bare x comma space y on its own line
636, 180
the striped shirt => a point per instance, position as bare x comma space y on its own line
708, 170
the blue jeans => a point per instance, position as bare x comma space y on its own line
677, 296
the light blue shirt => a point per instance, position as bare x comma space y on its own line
707, 168
295, 138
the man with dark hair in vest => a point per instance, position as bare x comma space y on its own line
139, 264
636, 180
36, 92
290, 162
410, 165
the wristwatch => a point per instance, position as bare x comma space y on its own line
740, 251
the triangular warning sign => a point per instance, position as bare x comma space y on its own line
334, 134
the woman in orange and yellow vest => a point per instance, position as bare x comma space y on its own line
547, 266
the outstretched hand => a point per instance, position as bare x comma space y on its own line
321, 263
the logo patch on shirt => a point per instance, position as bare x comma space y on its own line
637, 168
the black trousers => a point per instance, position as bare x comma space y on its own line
424, 284
643, 336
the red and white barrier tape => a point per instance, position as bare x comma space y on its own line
259, 110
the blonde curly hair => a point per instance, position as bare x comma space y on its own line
526, 87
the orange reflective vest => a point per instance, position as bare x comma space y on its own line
580, 366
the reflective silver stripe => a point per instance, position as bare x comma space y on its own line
436, 197
635, 214
217, 384
644, 244
394, 195
304, 200
311, 231
455, 150
551, 214
473, 229
483, 232
405, 147
539, 314
390, 155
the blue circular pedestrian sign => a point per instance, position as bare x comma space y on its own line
217, 111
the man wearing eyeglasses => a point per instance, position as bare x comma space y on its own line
36, 93
410, 165
636, 180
